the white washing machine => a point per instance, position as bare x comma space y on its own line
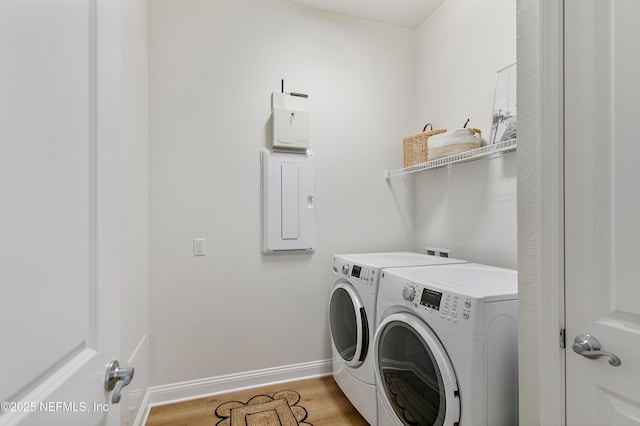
352, 313
445, 346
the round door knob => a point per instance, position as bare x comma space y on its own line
409, 292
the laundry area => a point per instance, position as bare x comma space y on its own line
220, 73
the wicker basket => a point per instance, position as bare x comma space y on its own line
415, 147
474, 141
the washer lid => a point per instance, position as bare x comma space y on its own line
482, 281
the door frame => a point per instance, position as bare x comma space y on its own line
541, 255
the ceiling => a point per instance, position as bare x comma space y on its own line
402, 13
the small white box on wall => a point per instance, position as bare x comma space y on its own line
291, 121
288, 202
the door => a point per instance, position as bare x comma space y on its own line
349, 325
59, 209
414, 374
602, 210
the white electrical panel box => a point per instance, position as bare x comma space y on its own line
291, 121
287, 202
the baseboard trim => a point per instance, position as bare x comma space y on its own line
202, 388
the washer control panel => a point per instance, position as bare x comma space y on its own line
363, 274
447, 305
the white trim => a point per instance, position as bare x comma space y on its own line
135, 406
202, 388
551, 213
143, 410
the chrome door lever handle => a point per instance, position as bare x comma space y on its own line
589, 347
116, 379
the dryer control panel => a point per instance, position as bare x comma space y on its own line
363, 274
365, 278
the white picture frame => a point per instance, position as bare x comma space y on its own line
503, 127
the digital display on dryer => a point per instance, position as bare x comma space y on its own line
355, 271
431, 299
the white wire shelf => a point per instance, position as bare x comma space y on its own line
471, 155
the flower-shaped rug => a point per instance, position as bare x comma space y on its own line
281, 409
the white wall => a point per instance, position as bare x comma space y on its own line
213, 66
135, 220
469, 208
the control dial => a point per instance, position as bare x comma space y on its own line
409, 292
345, 269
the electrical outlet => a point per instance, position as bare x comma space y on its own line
440, 252
199, 247
444, 252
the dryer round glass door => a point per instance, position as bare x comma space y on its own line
417, 377
349, 326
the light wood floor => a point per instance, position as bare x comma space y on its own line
321, 397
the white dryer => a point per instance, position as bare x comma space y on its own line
445, 346
352, 313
